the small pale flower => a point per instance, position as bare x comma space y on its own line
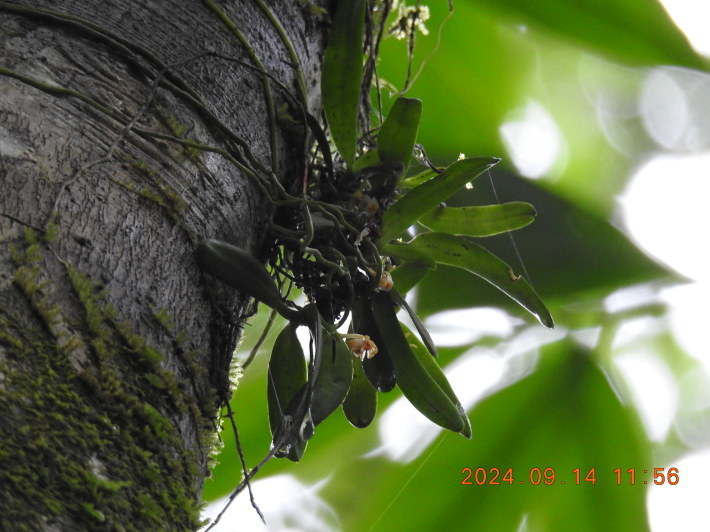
386, 282
372, 206
410, 19
361, 345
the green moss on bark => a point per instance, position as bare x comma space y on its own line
89, 442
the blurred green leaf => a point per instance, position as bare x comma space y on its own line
564, 416
342, 76
637, 33
468, 85
481, 221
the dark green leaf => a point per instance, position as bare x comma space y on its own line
241, 270
378, 369
334, 377
342, 76
420, 200
360, 405
287, 377
413, 378
462, 253
423, 355
480, 221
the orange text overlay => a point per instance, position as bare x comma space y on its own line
547, 476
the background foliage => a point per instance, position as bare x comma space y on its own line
558, 399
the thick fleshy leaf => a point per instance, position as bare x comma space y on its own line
420, 200
423, 355
238, 268
462, 253
286, 379
413, 378
342, 76
486, 220
360, 405
378, 369
334, 377
299, 431
398, 133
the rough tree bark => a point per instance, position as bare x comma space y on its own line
114, 348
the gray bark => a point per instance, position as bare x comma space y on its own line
114, 347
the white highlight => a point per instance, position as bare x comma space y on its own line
630, 297
406, 433
691, 17
653, 390
533, 140
665, 208
664, 109
692, 425
688, 319
631, 331
673, 108
683, 506
465, 326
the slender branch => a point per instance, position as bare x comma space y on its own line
230, 414
260, 341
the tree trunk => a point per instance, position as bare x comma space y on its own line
114, 347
